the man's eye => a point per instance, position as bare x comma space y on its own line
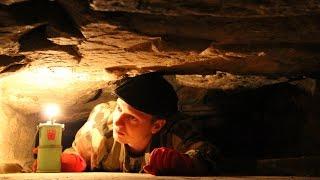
131, 118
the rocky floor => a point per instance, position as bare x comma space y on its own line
128, 176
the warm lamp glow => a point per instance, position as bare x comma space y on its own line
51, 110
52, 77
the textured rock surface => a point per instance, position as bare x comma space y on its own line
70, 52
132, 176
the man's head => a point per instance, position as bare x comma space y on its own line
149, 93
143, 104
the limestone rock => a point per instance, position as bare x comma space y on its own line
10, 168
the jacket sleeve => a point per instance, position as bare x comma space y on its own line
186, 138
90, 141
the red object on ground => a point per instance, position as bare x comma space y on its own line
72, 163
166, 161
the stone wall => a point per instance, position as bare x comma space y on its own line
17, 132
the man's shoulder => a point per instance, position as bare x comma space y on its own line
102, 110
99, 119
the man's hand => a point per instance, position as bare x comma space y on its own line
69, 162
35, 162
166, 161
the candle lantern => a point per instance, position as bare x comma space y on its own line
50, 148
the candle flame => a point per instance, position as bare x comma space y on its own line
52, 110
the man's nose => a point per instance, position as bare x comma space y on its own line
119, 121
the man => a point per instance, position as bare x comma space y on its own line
141, 132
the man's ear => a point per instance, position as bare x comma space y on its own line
157, 125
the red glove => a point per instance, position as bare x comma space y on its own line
166, 161
72, 163
69, 162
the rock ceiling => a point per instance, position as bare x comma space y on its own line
68, 50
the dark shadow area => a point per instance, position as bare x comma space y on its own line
70, 131
6, 60
271, 122
37, 11
35, 40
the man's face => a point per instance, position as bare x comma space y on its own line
131, 126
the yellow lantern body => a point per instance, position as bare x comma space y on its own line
50, 149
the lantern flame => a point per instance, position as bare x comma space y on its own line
51, 110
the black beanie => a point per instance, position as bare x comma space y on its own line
149, 93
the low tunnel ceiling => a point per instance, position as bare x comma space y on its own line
71, 51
